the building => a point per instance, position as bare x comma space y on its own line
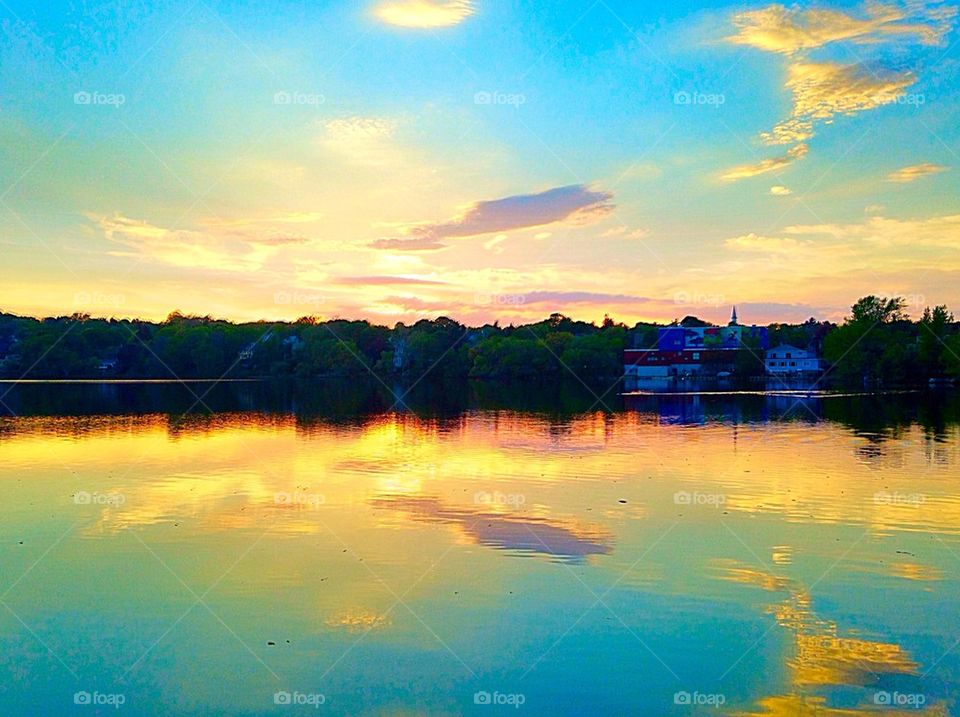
694, 351
654, 363
786, 359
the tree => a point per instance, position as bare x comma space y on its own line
932, 347
875, 310
875, 343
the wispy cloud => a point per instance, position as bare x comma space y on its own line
365, 141
625, 232
915, 172
941, 231
229, 250
561, 298
776, 28
424, 13
822, 90
755, 242
744, 171
386, 281
780, 191
576, 203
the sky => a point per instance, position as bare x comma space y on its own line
479, 159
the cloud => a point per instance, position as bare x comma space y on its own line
915, 172
277, 239
625, 232
776, 28
745, 171
494, 244
942, 232
424, 13
755, 242
415, 244
822, 90
386, 281
780, 191
558, 298
575, 203
230, 250
365, 141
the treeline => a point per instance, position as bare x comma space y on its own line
79, 346
878, 342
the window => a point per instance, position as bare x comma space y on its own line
787, 355
696, 356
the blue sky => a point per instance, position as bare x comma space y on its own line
400, 159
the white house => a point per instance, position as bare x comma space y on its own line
789, 359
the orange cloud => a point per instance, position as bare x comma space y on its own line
753, 242
228, 250
745, 171
822, 90
915, 172
776, 28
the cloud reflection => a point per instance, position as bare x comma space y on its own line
520, 534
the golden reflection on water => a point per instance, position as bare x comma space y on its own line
595, 492
826, 479
821, 657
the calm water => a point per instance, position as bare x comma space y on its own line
545, 552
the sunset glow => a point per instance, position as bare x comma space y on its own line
404, 159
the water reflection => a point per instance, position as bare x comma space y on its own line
503, 531
426, 556
820, 658
356, 402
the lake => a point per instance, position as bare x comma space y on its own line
249, 548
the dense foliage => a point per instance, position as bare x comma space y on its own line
878, 342
79, 346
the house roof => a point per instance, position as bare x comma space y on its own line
787, 347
